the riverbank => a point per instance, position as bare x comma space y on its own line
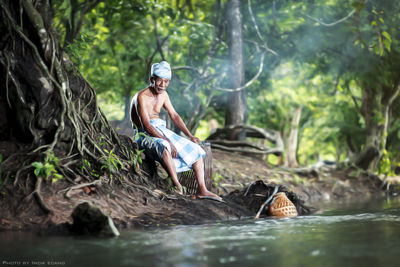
235, 170
146, 202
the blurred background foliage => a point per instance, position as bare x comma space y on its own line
337, 60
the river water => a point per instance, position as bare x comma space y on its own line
357, 233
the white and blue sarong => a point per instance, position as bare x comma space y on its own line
188, 152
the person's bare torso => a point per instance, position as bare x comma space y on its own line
151, 104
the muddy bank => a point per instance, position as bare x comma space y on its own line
244, 182
233, 171
131, 208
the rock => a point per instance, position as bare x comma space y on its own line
90, 220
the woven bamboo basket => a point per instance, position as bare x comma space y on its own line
281, 206
188, 178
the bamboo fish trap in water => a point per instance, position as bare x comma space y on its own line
281, 206
188, 178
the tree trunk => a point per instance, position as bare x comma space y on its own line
291, 143
49, 107
375, 109
236, 112
127, 114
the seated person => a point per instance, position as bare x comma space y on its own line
175, 153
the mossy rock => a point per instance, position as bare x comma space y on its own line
90, 220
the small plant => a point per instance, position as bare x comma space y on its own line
47, 169
137, 158
386, 165
81, 43
87, 166
111, 162
217, 178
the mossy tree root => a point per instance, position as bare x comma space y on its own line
52, 107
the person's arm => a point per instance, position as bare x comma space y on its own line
177, 120
144, 115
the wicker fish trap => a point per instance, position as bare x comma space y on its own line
281, 206
188, 178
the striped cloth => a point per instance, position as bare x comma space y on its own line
188, 152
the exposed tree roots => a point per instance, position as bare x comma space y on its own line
221, 139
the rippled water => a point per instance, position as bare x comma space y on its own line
365, 233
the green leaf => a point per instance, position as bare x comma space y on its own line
359, 5
38, 168
373, 23
37, 172
387, 44
387, 36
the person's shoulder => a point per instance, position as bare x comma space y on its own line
165, 95
144, 93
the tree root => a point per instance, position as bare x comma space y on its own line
69, 189
39, 198
251, 151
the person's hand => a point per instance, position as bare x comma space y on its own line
174, 152
194, 139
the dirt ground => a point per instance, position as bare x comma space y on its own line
236, 170
149, 204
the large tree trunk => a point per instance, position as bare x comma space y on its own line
375, 109
49, 108
292, 141
236, 112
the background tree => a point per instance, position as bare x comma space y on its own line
320, 56
236, 111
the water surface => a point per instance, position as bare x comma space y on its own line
362, 233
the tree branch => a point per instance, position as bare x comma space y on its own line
193, 69
260, 69
258, 31
335, 22
159, 46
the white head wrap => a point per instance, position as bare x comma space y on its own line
162, 70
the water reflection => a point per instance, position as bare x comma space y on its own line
366, 233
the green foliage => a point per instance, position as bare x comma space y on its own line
387, 166
325, 70
217, 178
48, 168
82, 43
111, 162
88, 167
137, 158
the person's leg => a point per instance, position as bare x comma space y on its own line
198, 169
169, 166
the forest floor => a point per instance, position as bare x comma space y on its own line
149, 204
233, 171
